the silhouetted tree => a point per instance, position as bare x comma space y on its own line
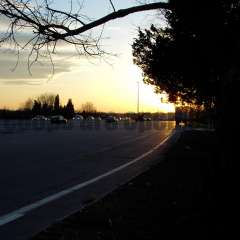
47, 110
191, 57
69, 109
57, 104
196, 58
47, 99
88, 108
37, 108
44, 104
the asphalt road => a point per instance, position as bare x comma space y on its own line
49, 171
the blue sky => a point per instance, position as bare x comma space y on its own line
109, 82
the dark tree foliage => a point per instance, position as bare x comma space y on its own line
190, 58
15, 114
69, 109
57, 104
37, 108
197, 58
47, 110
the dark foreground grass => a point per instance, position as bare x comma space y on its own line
184, 197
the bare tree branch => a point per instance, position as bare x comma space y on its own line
119, 14
112, 5
53, 28
47, 26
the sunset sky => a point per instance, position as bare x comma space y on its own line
109, 82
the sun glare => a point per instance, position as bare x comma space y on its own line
149, 101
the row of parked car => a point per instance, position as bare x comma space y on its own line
107, 119
61, 119
53, 119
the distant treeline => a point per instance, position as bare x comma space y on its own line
45, 104
29, 114
49, 105
15, 114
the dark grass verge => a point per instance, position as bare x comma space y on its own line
184, 197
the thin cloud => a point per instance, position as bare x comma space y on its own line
13, 68
21, 82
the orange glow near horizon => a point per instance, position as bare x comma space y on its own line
115, 91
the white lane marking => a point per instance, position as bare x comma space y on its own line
12, 216
9, 218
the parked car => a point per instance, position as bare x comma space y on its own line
98, 119
58, 119
39, 118
78, 117
111, 119
90, 118
140, 118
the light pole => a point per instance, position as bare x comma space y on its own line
138, 98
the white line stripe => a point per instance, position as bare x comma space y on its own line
12, 216
9, 218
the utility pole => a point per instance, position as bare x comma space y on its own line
138, 98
